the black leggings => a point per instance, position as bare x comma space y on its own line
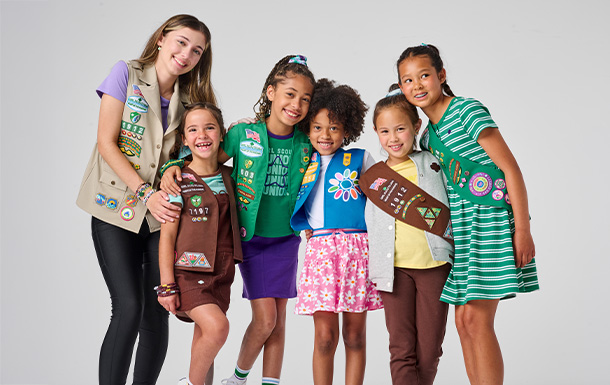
130, 265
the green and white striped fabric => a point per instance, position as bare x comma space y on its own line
484, 266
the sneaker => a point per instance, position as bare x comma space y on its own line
233, 381
183, 381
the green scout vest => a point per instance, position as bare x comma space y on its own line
477, 183
141, 139
248, 144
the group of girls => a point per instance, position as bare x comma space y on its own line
438, 229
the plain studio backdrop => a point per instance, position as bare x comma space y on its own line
539, 66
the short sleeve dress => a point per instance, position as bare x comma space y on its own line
484, 266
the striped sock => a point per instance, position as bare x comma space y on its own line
241, 374
271, 381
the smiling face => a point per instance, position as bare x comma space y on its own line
180, 52
290, 100
396, 134
420, 82
326, 136
202, 135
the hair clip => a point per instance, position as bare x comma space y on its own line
424, 44
299, 59
395, 92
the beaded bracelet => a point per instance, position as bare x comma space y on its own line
170, 163
150, 192
142, 188
167, 290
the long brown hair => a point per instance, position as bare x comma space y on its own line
197, 83
434, 56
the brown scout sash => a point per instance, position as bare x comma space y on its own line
405, 201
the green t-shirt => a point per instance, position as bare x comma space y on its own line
275, 209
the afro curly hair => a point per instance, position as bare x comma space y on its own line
344, 105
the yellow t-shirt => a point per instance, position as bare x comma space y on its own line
411, 247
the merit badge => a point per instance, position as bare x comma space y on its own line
377, 183
135, 117
253, 135
500, 184
480, 184
136, 90
131, 200
127, 213
347, 158
135, 166
497, 195
111, 203
251, 149
100, 199
196, 200
242, 232
137, 103
248, 163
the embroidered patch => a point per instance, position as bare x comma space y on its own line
242, 232
246, 186
506, 198
134, 128
435, 166
404, 212
136, 90
100, 199
345, 185
135, 117
251, 149
248, 163
196, 200
131, 200
448, 231
127, 213
253, 135
189, 176
137, 103
500, 184
129, 147
429, 215
192, 259
247, 195
455, 171
497, 195
135, 166
480, 184
377, 183
111, 203
314, 157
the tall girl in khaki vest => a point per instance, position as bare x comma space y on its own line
142, 103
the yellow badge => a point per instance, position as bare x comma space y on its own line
347, 158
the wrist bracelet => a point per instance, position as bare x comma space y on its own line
150, 192
167, 290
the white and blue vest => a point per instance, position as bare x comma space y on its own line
344, 202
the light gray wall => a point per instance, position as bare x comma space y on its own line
540, 67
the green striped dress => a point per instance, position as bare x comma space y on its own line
484, 265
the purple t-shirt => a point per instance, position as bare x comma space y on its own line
115, 85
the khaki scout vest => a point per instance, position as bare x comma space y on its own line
142, 141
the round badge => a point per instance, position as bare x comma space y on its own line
500, 184
127, 213
497, 195
506, 199
194, 219
242, 231
480, 184
205, 219
305, 159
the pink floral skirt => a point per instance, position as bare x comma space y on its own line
335, 275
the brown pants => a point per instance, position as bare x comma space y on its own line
416, 320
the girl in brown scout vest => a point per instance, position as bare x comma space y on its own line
198, 251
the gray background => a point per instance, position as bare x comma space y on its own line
540, 67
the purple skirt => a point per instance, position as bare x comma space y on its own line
269, 269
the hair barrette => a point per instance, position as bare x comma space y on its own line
395, 92
424, 44
299, 59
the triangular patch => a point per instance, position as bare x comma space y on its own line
422, 210
430, 214
436, 211
448, 232
182, 261
430, 222
202, 262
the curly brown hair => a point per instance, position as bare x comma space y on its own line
282, 69
344, 105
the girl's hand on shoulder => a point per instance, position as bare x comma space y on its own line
168, 180
242, 120
523, 247
170, 303
161, 208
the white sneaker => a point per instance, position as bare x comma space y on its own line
233, 381
183, 381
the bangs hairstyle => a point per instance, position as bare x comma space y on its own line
282, 70
197, 83
344, 105
216, 113
398, 101
435, 59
